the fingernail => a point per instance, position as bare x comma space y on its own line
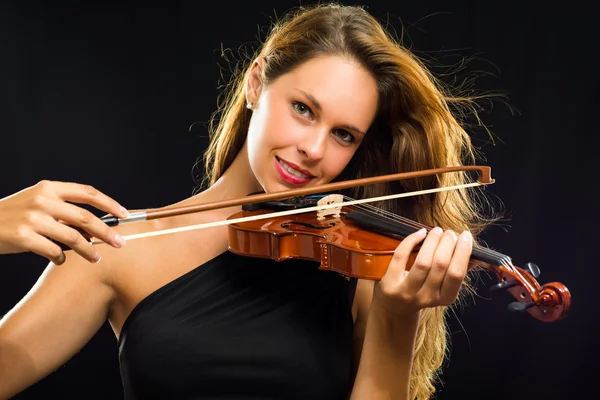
466, 236
421, 232
119, 241
96, 258
124, 212
437, 230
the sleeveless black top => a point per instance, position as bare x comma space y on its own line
241, 328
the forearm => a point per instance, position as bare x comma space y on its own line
16, 369
386, 359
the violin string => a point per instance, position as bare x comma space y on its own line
502, 258
387, 214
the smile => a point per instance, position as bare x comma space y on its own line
291, 174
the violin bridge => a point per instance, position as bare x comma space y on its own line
331, 199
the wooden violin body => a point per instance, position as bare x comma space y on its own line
337, 243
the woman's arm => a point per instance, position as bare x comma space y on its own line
69, 302
60, 314
386, 357
392, 312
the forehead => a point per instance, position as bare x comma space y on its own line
343, 88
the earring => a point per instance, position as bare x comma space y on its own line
249, 105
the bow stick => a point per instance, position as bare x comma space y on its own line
484, 179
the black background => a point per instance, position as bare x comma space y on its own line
105, 94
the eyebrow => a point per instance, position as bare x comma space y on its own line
319, 108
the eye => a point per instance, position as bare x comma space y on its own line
345, 136
301, 108
305, 111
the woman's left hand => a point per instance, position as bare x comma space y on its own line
434, 279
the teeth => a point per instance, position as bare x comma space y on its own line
293, 171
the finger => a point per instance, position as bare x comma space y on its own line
86, 194
396, 269
458, 268
422, 265
52, 229
439, 262
84, 219
45, 248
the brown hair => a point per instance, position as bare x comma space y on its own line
417, 127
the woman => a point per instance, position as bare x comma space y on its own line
329, 96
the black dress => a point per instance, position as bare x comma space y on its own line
241, 328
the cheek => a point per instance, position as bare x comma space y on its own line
269, 130
338, 160
273, 128
258, 134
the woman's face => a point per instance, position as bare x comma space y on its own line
307, 124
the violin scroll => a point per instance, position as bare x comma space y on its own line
547, 303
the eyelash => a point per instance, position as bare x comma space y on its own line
296, 104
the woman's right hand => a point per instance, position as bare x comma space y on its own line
33, 216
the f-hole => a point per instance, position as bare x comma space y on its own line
308, 225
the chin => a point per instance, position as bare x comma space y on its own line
275, 187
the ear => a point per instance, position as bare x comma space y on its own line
254, 82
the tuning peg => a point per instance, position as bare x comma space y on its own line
502, 285
532, 269
518, 306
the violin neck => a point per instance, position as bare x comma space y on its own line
399, 227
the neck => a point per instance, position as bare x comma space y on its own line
237, 181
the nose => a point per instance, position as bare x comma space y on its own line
312, 145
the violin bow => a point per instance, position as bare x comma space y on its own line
484, 179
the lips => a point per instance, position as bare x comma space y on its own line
291, 173
295, 167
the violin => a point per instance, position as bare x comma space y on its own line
353, 240
360, 242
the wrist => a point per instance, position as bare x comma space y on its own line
390, 316
392, 309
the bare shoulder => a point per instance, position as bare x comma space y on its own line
76, 298
145, 264
71, 300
